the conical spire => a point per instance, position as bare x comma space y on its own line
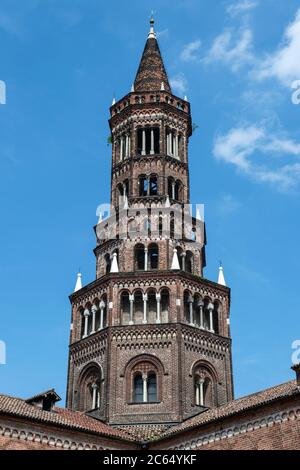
78, 285
151, 73
221, 278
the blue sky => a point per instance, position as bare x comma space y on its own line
62, 61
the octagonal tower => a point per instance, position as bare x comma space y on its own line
150, 339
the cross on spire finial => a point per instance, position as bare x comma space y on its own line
152, 32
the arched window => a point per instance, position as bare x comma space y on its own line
90, 389
152, 306
107, 263
138, 389
165, 300
206, 314
152, 388
143, 186
148, 141
160, 225
138, 308
81, 312
178, 191
153, 187
204, 386
180, 255
125, 308
189, 259
139, 257
120, 194
145, 377
188, 301
216, 318
171, 187
153, 256
198, 311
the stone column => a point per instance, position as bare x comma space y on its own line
148, 186
197, 394
158, 298
126, 146
94, 311
200, 305
86, 322
210, 308
145, 300
143, 142
173, 189
146, 259
174, 145
145, 391
98, 398
152, 142
124, 192
131, 300
191, 310
95, 397
121, 148
168, 146
129, 145
201, 392
183, 255
102, 307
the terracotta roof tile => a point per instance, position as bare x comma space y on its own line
246, 403
74, 420
151, 73
145, 432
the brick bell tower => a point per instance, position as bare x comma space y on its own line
150, 339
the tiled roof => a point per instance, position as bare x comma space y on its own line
74, 420
240, 405
145, 432
151, 73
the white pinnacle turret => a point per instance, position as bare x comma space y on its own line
175, 261
78, 285
221, 278
114, 265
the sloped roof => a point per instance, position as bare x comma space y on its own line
234, 407
64, 417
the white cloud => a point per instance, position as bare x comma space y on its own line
241, 7
284, 64
163, 33
179, 84
233, 51
9, 24
263, 156
189, 52
228, 205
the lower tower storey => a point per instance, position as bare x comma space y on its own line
153, 348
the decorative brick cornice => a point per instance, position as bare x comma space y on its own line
247, 426
49, 439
